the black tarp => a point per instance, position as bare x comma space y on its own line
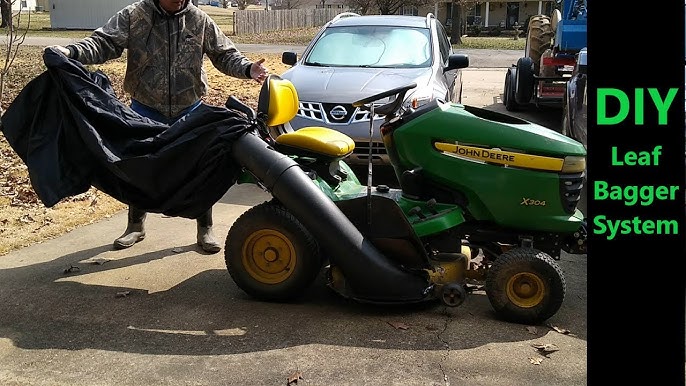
72, 132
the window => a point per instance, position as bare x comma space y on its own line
409, 10
474, 15
443, 42
374, 46
548, 8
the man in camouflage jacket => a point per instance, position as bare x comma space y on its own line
166, 41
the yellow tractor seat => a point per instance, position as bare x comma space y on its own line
278, 100
317, 142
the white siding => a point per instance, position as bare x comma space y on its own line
25, 5
83, 14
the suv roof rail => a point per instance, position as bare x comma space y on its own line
429, 16
344, 14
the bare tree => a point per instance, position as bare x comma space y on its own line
242, 4
6, 11
384, 7
291, 4
359, 6
14, 38
460, 7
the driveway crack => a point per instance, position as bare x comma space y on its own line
446, 345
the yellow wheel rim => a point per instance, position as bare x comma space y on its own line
525, 289
268, 256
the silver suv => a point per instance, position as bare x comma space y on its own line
353, 57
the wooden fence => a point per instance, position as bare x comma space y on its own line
254, 22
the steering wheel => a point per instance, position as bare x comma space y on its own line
389, 107
397, 90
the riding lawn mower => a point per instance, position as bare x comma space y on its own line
485, 200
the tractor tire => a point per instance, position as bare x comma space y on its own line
525, 285
564, 127
270, 255
524, 81
538, 39
509, 91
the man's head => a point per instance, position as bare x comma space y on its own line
173, 6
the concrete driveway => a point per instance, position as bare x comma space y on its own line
75, 312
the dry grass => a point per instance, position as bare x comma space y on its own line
24, 220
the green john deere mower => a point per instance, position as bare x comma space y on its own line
485, 199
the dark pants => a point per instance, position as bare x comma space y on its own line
136, 215
6, 11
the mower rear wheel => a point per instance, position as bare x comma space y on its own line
270, 255
525, 285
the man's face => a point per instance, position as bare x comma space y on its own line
172, 6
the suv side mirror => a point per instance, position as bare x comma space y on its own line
456, 61
289, 58
582, 61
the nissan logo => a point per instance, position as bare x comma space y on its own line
338, 112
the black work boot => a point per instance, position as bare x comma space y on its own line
206, 238
134, 232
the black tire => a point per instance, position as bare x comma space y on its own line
294, 260
525, 285
508, 94
524, 81
538, 39
564, 126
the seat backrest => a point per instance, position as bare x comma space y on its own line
278, 99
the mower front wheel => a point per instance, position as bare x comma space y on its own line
270, 255
525, 285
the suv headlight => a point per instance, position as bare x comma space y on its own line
418, 98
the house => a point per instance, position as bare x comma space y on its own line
494, 13
24, 5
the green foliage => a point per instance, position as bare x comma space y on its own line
495, 43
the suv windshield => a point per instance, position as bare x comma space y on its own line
372, 46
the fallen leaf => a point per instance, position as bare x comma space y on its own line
293, 378
546, 348
560, 330
431, 327
532, 330
399, 325
535, 361
122, 294
98, 261
72, 269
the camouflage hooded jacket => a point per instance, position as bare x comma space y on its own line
165, 53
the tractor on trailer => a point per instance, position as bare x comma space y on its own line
552, 47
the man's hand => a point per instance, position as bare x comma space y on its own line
258, 72
66, 51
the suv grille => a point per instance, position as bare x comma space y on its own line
362, 149
346, 113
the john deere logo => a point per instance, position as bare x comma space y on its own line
338, 113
